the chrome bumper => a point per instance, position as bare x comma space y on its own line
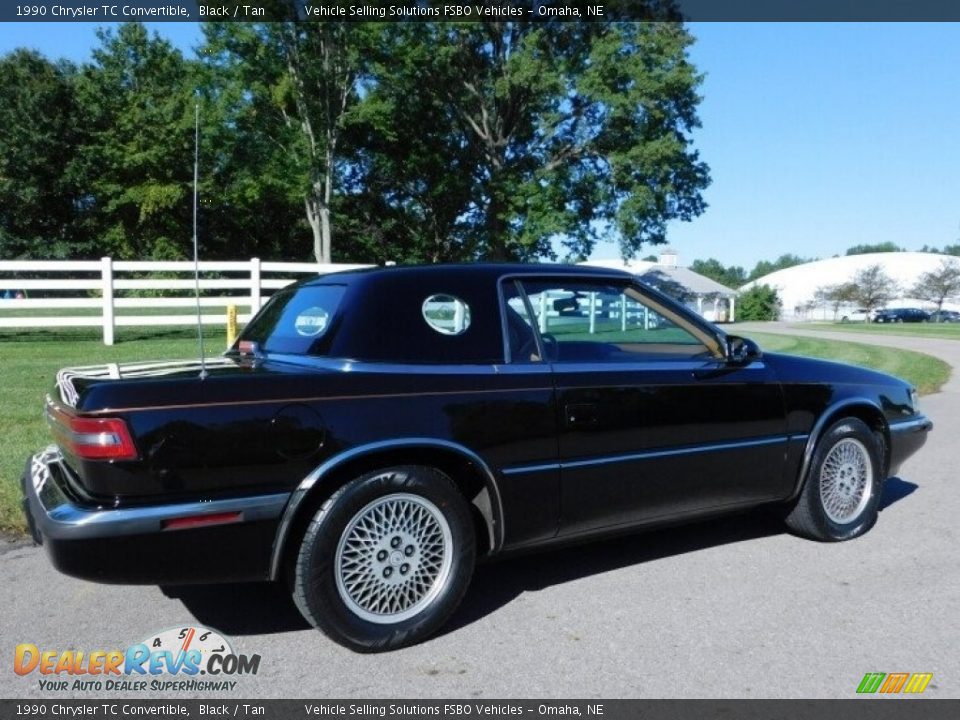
52, 514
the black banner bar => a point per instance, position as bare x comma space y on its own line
856, 709
98, 11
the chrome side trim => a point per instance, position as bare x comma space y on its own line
649, 454
494, 370
496, 525
523, 469
817, 431
59, 518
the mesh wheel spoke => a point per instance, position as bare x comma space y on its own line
393, 558
845, 480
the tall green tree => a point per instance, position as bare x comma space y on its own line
296, 84
733, 276
413, 173
873, 288
760, 302
505, 136
867, 248
250, 202
137, 99
765, 267
39, 199
947, 249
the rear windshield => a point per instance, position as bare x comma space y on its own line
296, 321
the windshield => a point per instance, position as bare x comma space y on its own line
296, 321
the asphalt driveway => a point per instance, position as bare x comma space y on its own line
731, 608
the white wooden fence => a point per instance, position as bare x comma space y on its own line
105, 286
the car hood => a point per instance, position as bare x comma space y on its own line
792, 368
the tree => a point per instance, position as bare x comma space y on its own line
251, 201
947, 250
865, 249
835, 296
665, 283
732, 276
300, 81
765, 267
413, 173
872, 288
136, 161
495, 138
760, 302
938, 284
39, 201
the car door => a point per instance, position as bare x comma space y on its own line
653, 420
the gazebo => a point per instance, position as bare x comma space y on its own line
713, 301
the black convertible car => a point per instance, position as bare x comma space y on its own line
374, 432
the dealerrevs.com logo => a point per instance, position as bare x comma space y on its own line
188, 659
893, 683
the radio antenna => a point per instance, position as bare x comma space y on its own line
196, 253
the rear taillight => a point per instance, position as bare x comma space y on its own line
91, 438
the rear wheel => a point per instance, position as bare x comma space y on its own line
841, 495
386, 560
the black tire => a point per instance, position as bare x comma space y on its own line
810, 516
328, 605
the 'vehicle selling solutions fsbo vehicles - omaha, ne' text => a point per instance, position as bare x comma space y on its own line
373, 433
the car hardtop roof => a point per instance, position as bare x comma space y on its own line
451, 270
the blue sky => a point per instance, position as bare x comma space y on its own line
819, 136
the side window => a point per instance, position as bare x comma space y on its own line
296, 321
591, 322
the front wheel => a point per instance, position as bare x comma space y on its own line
386, 559
841, 495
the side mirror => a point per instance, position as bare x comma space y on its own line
742, 351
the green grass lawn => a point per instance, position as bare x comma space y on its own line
937, 330
30, 360
925, 372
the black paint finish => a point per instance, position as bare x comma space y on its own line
545, 451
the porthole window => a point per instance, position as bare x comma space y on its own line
446, 314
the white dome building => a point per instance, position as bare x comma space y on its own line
797, 285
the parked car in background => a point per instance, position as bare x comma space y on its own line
859, 315
901, 315
374, 433
945, 316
